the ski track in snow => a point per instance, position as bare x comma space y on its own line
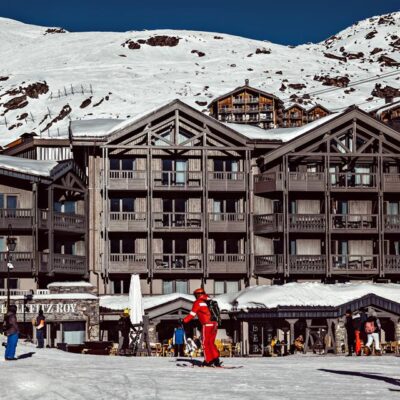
52, 375
147, 77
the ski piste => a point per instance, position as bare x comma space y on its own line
191, 363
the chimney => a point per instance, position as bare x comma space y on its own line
388, 99
246, 82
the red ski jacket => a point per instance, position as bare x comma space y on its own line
200, 309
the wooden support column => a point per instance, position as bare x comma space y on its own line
204, 161
35, 230
150, 265
249, 219
328, 213
331, 335
381, 218
308, 336
50, 227
291, 323
286, 248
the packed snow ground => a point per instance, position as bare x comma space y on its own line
51, 375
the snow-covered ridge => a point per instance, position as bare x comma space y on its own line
49, 78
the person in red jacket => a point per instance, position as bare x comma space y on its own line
210, 328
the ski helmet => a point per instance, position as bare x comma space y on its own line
199, 292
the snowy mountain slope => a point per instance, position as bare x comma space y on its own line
46, 78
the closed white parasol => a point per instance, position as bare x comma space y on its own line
135, 300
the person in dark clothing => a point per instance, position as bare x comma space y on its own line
12, 332
125, 326
40, 324
179, 340
350, 332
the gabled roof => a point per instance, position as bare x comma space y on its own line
241, 88
145, 118
295, 105
381, 109
319, 106
324, 125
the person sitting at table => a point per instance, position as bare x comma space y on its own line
298, 345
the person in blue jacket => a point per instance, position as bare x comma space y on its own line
178, 341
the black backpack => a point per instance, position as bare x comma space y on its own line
214, 310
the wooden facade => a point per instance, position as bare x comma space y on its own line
327, 203
46, 214
388, 114
247, 105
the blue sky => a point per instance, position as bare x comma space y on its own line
284, 22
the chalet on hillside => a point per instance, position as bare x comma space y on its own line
389, 114
248, 105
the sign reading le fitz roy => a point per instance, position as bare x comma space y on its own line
59, 308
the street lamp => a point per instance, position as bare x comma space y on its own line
11, 244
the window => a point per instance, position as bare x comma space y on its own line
293, 248
8, 201
122, 246
125, 204
2, 283
226, 246
178, 286
67, 207
124, 164
65, 247
121, 286
13, 283
221, 287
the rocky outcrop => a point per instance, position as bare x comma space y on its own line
387, 91
130, 44
371, 34
263, 51
63, 113
297, 86
199, 53
16, 102
335, 57
387, 61
162, 41
375, 51
55, 30
85, 103
339, 81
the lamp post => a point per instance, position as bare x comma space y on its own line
11, 244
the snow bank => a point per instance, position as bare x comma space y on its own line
306, 294
93, 127
70, 284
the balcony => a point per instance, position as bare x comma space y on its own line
63, 264
226, 181
177, 263
21, 260
127, 264
307, 264
268, 264
127, 180
265, 108
350, 181
19, 218
177, 221
71, 223
391, 182
224, 110
267, 223
357, 223
227, 264
354, 264
391, 264
252, 100
307, 222
177, 180
227, 222
240, 100
307, 181
127, 221
391, 223
238, 110
268, 182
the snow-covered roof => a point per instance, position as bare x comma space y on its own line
118, 303
249, 131
309, 294
93, 127
59, 296
24, 165
386, 107
70, 284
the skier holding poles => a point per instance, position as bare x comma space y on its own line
207, 312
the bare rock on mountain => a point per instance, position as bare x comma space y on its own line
199, 53
386, 20
335, 57
163, 40
218, 37
201, 103
387, 91
376, 50
16, 102
55, 30
86, 102
3, 78
263, 51
22, 116
131, 44
338, 81
34, 90
354, 55
62, 114
297, 86
387, 61
371, 34
282, 88
395, 44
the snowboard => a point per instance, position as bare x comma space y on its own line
199, 364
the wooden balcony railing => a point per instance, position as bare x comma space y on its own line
391, 182
265, 108
127, 221
352, 181
63, 221
19, 218
354, 264
355, 222
268, 264
22, 262
128, 180
177, 180
307, 264
227, 263
391, 223
391, 264
177, 221
237, 110
226, 181
265, 223
125, 263
174, 263
268, 182
307, 222
239, 101
227, 222
307, 181
63, 264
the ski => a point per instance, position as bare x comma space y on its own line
197, 363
